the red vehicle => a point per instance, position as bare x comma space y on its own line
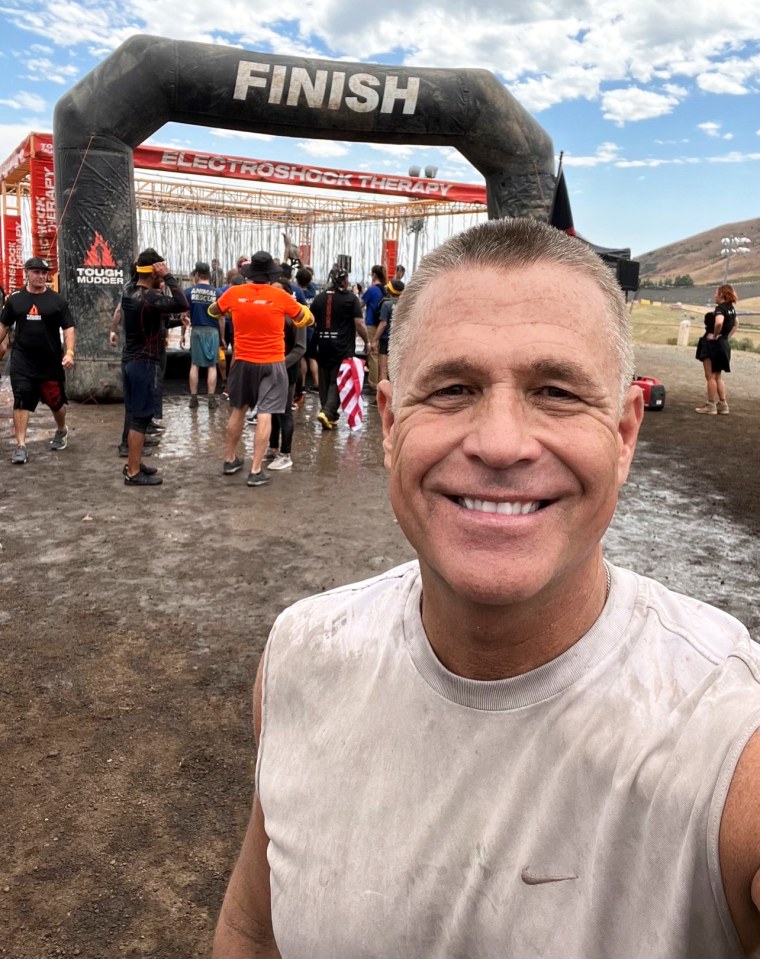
653, 390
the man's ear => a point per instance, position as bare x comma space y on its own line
628, 430
385, 408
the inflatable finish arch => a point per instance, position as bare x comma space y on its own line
150, 81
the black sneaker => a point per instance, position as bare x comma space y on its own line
193, 404
212, 402
258, 479
142, 479
20, 455
156, 427
151, 441
232, 466
148, 470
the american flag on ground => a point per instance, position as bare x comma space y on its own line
350, 382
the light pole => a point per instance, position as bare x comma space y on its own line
732, 244
417, 225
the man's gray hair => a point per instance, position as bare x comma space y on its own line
505, 244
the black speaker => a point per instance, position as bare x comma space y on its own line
344, 262
628, 275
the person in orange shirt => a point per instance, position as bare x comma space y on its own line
257, 377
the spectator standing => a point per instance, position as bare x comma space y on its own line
714, 349
338, 317
371, 298
206, 333
394, 290
257, 378
144, 308
38, 364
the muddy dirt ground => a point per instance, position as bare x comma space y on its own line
132, 621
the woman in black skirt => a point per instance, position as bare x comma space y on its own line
714, 349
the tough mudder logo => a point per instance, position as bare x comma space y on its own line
326, 89
98, 266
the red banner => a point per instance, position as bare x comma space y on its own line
13, 257
269, 171
390, 256
44, 223
294, 174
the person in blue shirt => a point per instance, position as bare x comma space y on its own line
372, 297
206, 333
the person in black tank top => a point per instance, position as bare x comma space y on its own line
714, 349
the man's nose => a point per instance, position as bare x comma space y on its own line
502, 429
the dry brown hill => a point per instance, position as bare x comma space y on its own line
699, 256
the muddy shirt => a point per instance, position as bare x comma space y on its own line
37, 320
570, 812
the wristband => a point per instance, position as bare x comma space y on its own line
70, 353
306, 320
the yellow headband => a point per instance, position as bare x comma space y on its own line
143, 269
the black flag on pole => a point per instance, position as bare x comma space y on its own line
561, 215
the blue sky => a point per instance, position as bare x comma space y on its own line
654, 104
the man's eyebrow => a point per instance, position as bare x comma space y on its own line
459, 368
563, 370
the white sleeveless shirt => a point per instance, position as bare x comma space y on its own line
572, 811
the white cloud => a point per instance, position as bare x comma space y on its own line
323, 148
43, 69
239, 134
632, 104
720, 83
710, 128
728, 136
25, 101
395, 149
606, 153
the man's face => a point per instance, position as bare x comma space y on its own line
506, 450
36, 280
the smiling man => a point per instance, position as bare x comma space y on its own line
508, 747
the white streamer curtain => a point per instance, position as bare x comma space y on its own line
186, 237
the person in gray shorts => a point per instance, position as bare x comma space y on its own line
257, 377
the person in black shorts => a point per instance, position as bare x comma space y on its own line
143, 310
714, 349
38, 361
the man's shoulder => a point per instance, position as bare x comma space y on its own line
689, 628
374, 596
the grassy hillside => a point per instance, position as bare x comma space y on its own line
699, 256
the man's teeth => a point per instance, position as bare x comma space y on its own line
505, 509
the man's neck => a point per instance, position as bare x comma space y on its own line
487, 642
35, 289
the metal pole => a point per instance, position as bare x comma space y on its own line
416, 247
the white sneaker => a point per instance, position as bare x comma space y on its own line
281, 462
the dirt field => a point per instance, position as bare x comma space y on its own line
132, 622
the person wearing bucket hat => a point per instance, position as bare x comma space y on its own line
37, 315
262, 268
258, 376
